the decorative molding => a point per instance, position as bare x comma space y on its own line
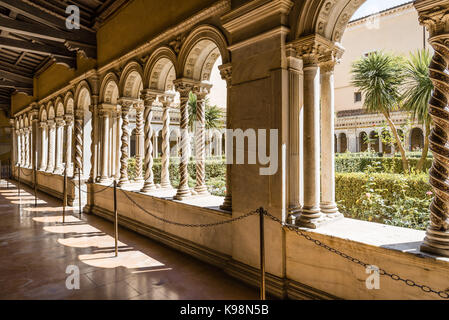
266, 35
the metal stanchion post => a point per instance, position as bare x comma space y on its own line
262, 254
79, 189
64, 200
18, 175
115, 218
35, 181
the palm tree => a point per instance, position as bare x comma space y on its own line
379, 77
213, 114
418, 91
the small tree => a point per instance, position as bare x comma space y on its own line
379, 77
417, 93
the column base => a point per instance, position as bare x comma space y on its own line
183, 193
59, 171
201, 190
310, 217
148, 187
331, 211
227, 204
123, 182
104, 180
166, 186
436, 242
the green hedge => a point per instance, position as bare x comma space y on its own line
387, 164
394, 199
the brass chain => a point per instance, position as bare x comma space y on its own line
94, 192
395, 277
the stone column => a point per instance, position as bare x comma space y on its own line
113, 144
68, 150
20, 146
294, 172
311, 215
184, 87
25, 147
200, 139
34, 140
435, 16
118, 133
60, 123
148, 97
78, 163
104, 164
14, 142
328, 204
44, 144
226, 74
126, 106
139, 141
51, 145
165, 172
30, 145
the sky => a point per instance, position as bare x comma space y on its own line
373, 6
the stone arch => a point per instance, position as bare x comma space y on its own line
327, 18
131, 80
343, 142
59, 107
69, 103
51, 111
199, 52
42, 113
83, 100
363, 141
109, 89
374, 140
416, 139
161, 70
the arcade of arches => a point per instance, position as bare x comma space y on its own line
278, 58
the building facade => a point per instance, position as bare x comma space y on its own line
396, 31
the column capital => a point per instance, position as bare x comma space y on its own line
139, 106
126, 102
149, 96
434, 15
226, 72
51, 124
202, 90
313, 49
184, 86
68, 119
167, 100
60, 121
79, 114
43, 124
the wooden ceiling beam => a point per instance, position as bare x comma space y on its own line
26, 46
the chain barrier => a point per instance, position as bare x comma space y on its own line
203, 225
94, 192
411, 283
24, 174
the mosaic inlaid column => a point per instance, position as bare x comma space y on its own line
68, 150
328, 204
435, 16
51, 145
165, 172
78, 132
60, 123
139, 107
44, 144
184, 87
126, 107
148, 100
200, 139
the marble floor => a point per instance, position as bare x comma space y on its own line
36, 251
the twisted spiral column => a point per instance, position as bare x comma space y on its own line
124, 147
184, 89
104, 114
139, 135
165, 172
59, 145
148, 133
200, 140
78, 143
20, 143
437, 235
25, 149
68, 151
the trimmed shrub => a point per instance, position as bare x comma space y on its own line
394, 199
387, 164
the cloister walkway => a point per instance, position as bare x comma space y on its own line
36, 249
